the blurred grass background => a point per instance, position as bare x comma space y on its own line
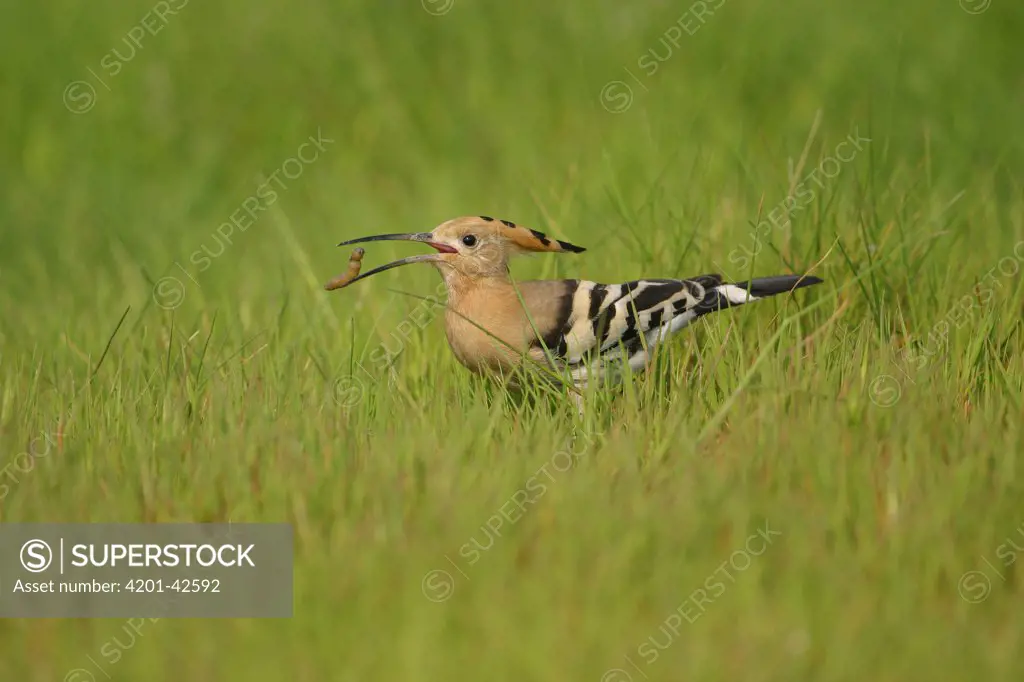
250, 394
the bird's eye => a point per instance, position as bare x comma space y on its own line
469, 240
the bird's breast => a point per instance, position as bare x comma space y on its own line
485, 335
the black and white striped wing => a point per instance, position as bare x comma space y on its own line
622, 323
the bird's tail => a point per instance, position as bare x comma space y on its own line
723, 295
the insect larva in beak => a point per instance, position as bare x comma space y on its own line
354, 263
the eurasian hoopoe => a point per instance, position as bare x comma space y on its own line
579, 328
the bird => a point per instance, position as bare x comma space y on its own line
580, 329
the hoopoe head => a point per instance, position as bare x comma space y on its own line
473, 247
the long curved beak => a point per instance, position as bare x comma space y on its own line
407, 237
423, 237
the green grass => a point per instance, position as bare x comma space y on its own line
885, 451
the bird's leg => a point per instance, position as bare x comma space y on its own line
578, 427
577, 399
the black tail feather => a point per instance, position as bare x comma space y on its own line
779, 284
720, 296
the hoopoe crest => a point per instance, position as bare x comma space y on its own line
579, 327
